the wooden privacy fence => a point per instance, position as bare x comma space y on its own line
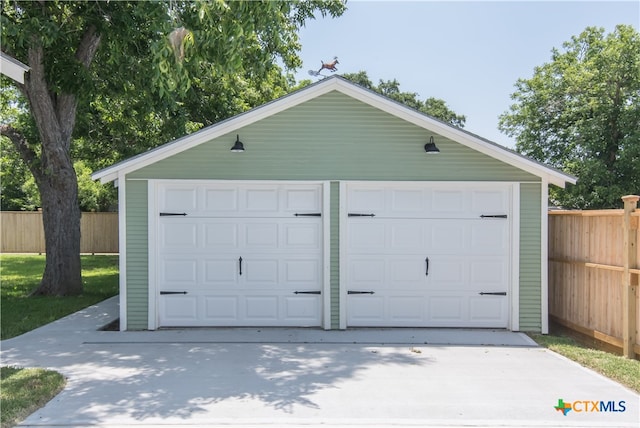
593, 274
22, 232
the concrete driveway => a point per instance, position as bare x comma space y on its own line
301, 377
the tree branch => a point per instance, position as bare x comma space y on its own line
68, 103
37, 92
28, 155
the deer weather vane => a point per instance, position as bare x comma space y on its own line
331, 66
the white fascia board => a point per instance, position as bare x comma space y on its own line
12, 68
214, 131
502, 154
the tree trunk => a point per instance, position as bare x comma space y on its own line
54, 114
61, 219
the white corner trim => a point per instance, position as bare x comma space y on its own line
326, 255
122, 250
515, 257
152, 230
544, 256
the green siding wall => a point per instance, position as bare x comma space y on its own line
137, 255
335, 254
332, 137
530, 257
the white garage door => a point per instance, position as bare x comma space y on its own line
428, 256
239, 254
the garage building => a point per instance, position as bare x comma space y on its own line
333, 207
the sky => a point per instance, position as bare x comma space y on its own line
468, 53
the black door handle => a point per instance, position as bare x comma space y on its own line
240, 265
427, 262
172, 214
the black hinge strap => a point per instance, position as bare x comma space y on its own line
360, 215
494, 216
307, 292
172, 214
308, 214
360, 292
162, 293
494, 293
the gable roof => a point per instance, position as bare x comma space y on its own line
342, 85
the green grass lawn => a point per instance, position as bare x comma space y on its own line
22, 391
20, 275
616, 367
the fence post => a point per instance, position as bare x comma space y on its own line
629, 286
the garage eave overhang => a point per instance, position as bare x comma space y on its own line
348, 88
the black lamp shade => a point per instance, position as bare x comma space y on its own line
431, 147
238, 147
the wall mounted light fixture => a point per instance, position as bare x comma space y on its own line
431, 147
238, 147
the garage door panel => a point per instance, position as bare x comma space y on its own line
366, 311
180, 309
302, 235
446, 309
239, 254
260, 309
303, 310
179, 271
221, 235
302, 200
488, 310
489, 201
178, 235
221, 308
404, 309
179, 199
220, 272
409, 202
407, 271
261, 200
261, 236
448, 202
261, 273
366, 272
222, 201
302, 273
366, 200
448, 237
489, 273
447, 272
467, 254
489, 237
367, 236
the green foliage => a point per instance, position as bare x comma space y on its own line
23, 391
140, 90
20, 275
581, 113
391, 88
